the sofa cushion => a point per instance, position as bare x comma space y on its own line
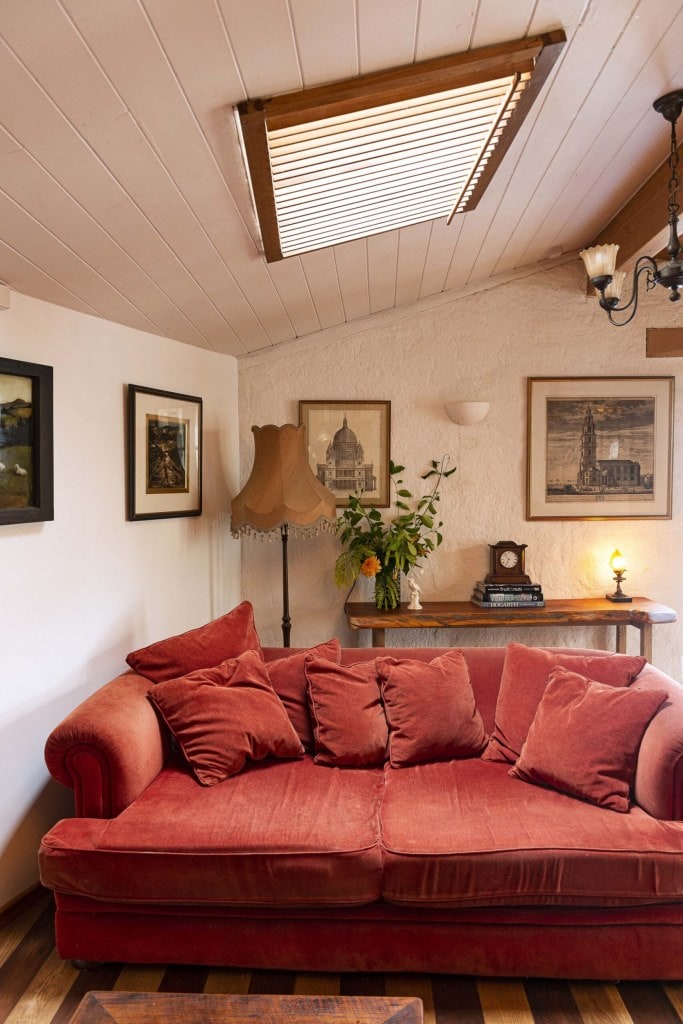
430, 709
523, 681
221, 716
281, 833
348, 718
484, 664
202, 647
463, 833
290, 684
569, 748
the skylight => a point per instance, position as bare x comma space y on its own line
383, 151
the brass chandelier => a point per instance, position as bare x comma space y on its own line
601, 260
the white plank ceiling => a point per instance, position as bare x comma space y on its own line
122, 187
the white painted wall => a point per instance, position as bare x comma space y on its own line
78, 593
479, 346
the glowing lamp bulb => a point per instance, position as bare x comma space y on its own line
617, 561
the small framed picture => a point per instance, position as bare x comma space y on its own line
348, 448
26, 444
164, 454
599, 447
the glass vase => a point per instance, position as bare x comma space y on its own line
388, 589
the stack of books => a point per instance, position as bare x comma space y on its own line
508, 595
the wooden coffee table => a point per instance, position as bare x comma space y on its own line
194, 1008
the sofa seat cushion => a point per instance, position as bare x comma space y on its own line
281, 833
463, 833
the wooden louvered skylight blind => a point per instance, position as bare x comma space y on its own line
382, 151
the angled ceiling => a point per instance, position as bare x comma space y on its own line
122, 187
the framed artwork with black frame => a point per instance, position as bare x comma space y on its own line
164, 454
348, 447
599, 447
26, 443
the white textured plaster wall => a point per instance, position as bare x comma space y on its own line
478, 346
79, 593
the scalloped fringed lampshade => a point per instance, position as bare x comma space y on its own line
282, 489
282, 493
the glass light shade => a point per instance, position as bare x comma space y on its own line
617, 561
600, 261
467, 413
616, 285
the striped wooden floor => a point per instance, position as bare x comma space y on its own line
36, 987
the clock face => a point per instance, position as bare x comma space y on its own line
507, 563
509, 559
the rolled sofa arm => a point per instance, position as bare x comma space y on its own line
658, 786
109, 748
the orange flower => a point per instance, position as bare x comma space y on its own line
371, 566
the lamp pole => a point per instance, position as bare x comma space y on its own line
282, 491
286, 621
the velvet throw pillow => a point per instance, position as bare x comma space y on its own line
222, 715
208, 645
585, 736
430, 708
349, 726
525, 675
290, 684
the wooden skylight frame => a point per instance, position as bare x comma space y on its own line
384, 150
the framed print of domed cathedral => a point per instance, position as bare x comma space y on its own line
348, 447
599, 447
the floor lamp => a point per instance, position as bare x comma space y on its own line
282, 493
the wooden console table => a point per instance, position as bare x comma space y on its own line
592, 611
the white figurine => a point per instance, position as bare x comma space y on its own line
414, 588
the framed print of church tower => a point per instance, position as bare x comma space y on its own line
599, 447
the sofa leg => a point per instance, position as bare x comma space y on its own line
85, 965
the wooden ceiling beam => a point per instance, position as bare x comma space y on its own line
633, 228
663, 342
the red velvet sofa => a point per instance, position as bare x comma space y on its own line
446, 866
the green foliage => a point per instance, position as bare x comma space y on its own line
388, 590
399, 544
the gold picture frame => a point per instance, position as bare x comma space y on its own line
348, 446
599, 447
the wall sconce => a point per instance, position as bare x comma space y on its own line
467, 413
618, 564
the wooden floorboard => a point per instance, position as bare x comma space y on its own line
552, 1002
99, 979
37, 987
184, 979
647, 1006
24, 962
276, 983
504, 1001
361, 984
